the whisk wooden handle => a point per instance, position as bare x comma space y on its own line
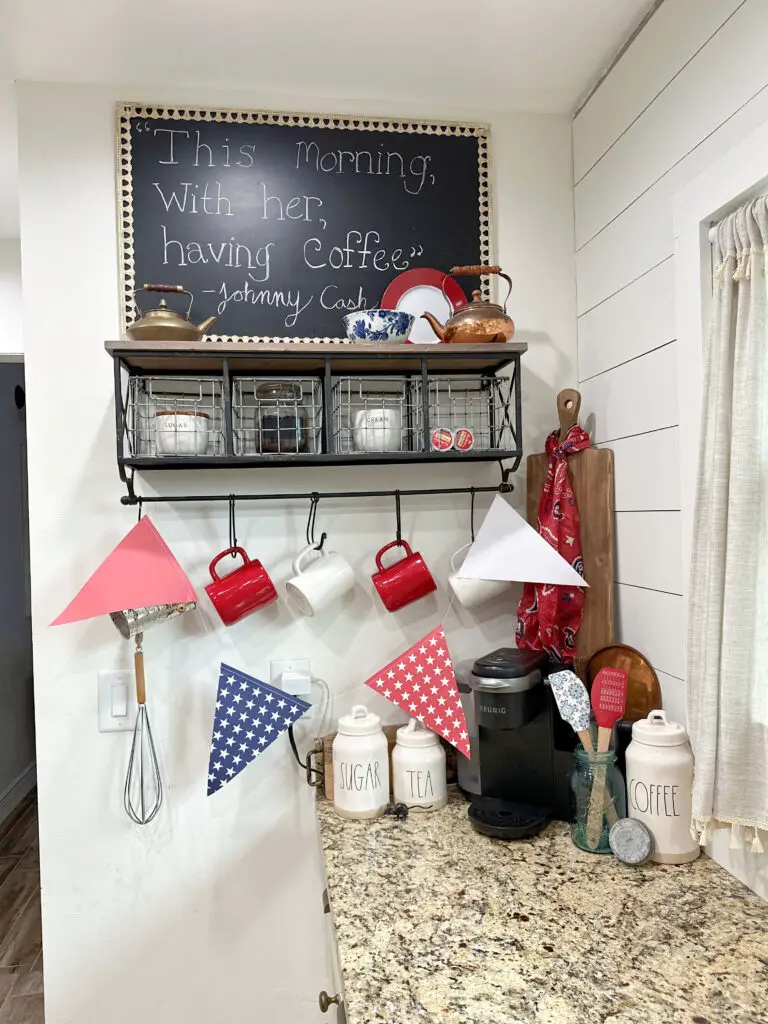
138, 664
475, 270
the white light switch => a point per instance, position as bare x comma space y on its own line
117, 701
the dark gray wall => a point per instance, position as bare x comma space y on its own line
17, 721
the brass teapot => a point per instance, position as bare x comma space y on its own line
164, 323
479, 321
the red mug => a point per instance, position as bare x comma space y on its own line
242, 591
404, 581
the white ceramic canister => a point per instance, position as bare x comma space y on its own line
360, 765
181, 433
659, 785
418, 768
378, 430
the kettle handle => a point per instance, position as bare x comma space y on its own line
174, 288
477, 270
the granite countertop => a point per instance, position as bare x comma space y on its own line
435, 922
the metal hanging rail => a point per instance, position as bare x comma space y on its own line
135, 499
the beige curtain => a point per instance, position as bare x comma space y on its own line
727, 678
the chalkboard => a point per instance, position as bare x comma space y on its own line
282, 223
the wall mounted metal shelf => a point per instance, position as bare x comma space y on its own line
436, 386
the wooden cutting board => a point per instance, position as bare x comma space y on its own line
591, 474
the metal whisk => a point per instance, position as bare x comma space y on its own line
143, 792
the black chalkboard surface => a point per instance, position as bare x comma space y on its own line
281, 223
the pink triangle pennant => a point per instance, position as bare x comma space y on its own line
140, 571
421, 682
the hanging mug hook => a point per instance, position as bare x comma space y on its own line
141, 503
398, 521
314, 499
472, 513
232, 527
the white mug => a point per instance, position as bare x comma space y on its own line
378, 430
327, 577
473, 592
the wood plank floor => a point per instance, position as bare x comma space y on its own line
21, 956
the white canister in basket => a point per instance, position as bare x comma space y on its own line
659, 786
360, 765
418, 768
181, 433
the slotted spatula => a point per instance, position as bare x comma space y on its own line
609, 697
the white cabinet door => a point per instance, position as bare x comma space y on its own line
334, 967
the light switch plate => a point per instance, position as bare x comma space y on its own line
116, 694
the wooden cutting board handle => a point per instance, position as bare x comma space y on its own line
568, 405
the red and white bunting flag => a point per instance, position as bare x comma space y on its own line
422, 683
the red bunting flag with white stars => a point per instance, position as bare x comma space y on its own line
421, 682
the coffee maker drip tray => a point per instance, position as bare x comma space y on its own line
503, 819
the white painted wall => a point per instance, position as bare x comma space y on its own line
691, 86
213, 913
11, 343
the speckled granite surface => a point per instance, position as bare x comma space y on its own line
437, 923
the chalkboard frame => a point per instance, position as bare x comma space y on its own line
126, 111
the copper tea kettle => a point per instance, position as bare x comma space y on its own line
164, 323
479, 321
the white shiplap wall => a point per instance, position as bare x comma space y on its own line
691, 86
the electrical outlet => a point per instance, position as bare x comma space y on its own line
117, 701
291, 675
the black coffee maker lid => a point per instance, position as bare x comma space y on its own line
509, 663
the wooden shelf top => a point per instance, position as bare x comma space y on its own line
299, 357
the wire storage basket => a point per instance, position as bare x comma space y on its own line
277, 416
483, 405
377, 414
167, 417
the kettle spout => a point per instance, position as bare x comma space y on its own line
203, 327
436, 326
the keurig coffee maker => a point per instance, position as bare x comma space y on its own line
523, 748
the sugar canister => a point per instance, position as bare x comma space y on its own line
418, 768
360, 765
659, 785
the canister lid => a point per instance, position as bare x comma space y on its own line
416, 735
359, 722
631, 841
657, 731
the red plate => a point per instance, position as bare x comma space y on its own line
423, 277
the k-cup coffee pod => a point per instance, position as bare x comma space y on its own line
442, 439
464, 440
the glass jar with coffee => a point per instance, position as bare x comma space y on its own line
280, 419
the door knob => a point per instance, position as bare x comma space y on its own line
327, 1001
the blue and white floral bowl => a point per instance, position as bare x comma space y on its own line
388, 325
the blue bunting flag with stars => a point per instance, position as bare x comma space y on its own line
249, 716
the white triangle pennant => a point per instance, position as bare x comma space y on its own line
507, 548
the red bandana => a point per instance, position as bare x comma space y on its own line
548, 616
